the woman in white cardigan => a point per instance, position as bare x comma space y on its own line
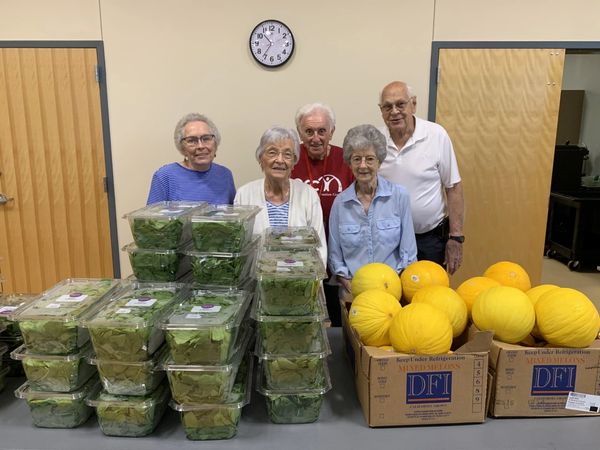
284, 201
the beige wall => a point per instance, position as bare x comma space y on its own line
164, 59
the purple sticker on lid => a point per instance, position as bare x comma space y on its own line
144, 299
208, 306
290, 261
75, 294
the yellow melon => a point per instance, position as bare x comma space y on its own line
376, 276
567, 318
471, 288
371, 313
421, 329
420, 274
447, 300
505, 310
508, 273
534, 294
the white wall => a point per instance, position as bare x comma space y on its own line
582, 71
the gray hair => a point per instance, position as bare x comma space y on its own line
409, 90
193, 117
312, 107
362, 137
277, 134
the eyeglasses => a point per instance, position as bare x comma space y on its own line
369, 160
400, 106
285, 154
190, 141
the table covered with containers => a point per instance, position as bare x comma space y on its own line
215, 318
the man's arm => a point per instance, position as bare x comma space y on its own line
456, 216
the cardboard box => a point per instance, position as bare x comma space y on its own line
536, 381
402, 389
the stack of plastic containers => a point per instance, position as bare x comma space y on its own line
11, 337
128, 344
292, 345
161, 231
208, 365
59, 379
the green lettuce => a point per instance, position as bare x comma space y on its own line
157, 232
123, 378
219, 236
304, 372
286, 337
216, 422
59, 412
226, 271
189, 386
57, 375
289, 296
294, 408
155, 266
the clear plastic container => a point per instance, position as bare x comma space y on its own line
3, 374
50, 324
204, 328
126, 327
223, 228
56, 409
291, 238
163, 224
288, 282
130, 416
208, 421
157, 265
222, 270
9, 304
289, 334
55, 373
196, 383
131, 378
15, 367
294, 405
295, 370
3, 351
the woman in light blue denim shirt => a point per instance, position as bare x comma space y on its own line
370, 221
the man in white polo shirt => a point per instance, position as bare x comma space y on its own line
420, 157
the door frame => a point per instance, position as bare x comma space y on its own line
101, 78
436, 46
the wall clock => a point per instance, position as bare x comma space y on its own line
272, 43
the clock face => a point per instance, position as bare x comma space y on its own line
271, 43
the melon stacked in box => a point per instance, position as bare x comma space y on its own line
292, 345
55, 350
208, 335
161, 232
128, 345
10, 336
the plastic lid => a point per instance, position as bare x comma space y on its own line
289, 264
149, 364
137, 305
9, 303
103, 399
21, 353
319, 349
291, 238
209, 309
68, 300
315, 316
225, 213
132, 248
322, 389
25, 391
165, 210
189, 250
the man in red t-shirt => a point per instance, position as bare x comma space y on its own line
322, 166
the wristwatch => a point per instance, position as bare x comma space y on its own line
460, 239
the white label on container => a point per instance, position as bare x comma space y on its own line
291, 239
141, 301
123, 311
193, 316
5, 310
290, 263
73, 297
208, 308
224, 214
583, 402
53, 305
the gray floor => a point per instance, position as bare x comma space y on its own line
556, 272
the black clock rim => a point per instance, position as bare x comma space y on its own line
272, 66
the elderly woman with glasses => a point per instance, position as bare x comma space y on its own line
370, 221
197, 177
284, 201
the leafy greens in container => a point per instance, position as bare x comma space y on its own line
156, 264
131, 378
162, 225
288, 282
291, 238
125, 328
130, 416
56, 409
203, 329
223, 228
55, 373
9, 303
50, 324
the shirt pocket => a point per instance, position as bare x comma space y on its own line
350, 234
388, 232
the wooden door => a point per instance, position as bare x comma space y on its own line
500, 107
52, 166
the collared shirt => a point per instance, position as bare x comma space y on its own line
384, 234
425, 166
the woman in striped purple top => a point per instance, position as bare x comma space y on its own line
197, 177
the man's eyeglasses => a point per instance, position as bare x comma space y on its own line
400, 106
369, 160
190, 141
285, 154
